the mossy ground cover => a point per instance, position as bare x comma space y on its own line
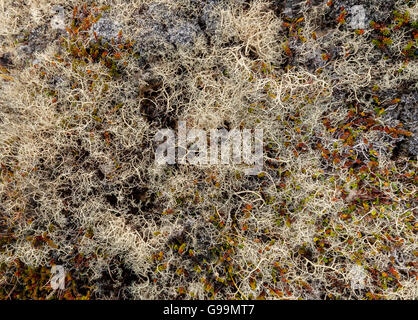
84, 88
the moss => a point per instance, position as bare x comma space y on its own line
79, 184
